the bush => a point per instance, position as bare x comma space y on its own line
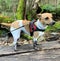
48, 8
57, 10
52, 9
2, 32
25, 36
5, 19
29, 15
54, 28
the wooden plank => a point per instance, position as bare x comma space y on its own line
8, 50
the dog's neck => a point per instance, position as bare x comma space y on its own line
40, 25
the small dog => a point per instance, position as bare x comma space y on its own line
39, 25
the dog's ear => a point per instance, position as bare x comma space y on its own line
39, 16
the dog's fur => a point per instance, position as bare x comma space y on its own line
43, 20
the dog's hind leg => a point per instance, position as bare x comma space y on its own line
15, 43
16, 35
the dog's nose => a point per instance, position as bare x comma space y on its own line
53, 22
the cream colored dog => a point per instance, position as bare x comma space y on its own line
43, 20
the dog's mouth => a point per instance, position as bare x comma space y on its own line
52, 23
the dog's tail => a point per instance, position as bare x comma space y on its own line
6, 24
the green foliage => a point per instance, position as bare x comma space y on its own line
58, 10
54, 28
5, 19
25, 36
48, 7
2, 32
8, 7
20, 10
29, 16
57, 25
51, 8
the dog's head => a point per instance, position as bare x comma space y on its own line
46, 18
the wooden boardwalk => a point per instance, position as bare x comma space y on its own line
8, 50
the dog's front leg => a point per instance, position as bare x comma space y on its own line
35, 39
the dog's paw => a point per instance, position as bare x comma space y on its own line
36, 48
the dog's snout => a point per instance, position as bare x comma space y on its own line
53, 22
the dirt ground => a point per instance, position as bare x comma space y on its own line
49, 55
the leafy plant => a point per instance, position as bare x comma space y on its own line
25, 36
57, 10
5, 19
48, 7
54, 28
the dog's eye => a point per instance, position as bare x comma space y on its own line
46, 18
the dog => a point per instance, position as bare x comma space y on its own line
40, 24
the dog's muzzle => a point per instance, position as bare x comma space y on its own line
52, 23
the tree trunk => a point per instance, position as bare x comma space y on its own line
24, 9
20, 10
